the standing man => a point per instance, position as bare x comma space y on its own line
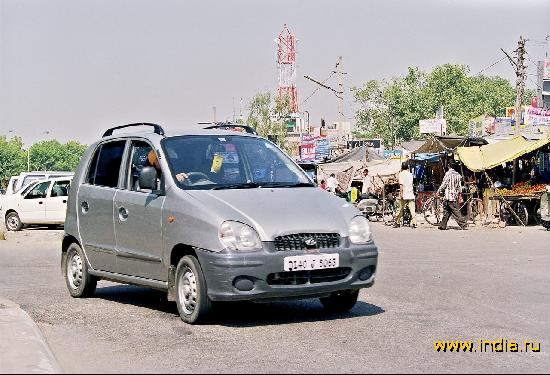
406, 196
368, 189
332, 183
451, 187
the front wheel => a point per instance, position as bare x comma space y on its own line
13, 222
340, 302
79, 281
191, 292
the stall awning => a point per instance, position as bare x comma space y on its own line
478, 159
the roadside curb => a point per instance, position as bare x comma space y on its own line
23, 348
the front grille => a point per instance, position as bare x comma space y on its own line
308, 277
297, 241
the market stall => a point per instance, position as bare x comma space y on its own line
428, 162
515, 172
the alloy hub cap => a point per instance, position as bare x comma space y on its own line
74, 271
188, 291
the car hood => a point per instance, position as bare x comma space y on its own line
280, 211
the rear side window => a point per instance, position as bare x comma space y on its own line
105, 166
60, 189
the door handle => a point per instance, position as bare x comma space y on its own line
40, 202
64, 201
85, 207
122, 214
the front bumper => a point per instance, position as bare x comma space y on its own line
261, 276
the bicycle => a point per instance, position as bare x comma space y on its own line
433, 208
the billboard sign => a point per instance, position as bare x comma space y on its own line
372, 143
546, 70
314, 148
433, 126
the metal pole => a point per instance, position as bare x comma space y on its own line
29, 159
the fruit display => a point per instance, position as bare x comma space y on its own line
523, 189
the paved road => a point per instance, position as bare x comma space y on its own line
483, 283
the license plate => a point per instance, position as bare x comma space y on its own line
311, 262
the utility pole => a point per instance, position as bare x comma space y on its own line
520, 81
340, 89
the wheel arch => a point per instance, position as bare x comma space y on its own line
176, 254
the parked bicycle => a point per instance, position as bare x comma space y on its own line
433, 207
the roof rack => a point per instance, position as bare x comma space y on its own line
157, 128
229, 126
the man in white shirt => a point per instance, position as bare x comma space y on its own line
406, 196
332, 183
368, 187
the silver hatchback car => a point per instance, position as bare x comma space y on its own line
209, 216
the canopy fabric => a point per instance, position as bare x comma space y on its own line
439, 144
357, 154
478, 159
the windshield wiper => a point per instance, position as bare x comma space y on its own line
248, 185
288, 185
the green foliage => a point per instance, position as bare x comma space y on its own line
54, 156
267, 117
44, 156
13, 159
391, 109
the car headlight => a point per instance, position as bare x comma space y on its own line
237, 236
359, 230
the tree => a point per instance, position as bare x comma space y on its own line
13, 159
54, 156
391, 109
268, 117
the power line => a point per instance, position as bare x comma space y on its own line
490, 66
317, 89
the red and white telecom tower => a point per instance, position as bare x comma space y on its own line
286, 61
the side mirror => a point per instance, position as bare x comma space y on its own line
148, 178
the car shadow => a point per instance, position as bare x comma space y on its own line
238, 314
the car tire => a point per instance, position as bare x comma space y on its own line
75, 270
192, 300
13, 222
341, 301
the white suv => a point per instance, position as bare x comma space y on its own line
41, 202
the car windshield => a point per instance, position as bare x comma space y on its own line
205, 162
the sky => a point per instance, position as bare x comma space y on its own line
70, 69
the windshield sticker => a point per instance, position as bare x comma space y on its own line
230, 147
217, 162
229, 157
222, 140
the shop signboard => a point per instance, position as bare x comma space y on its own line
322, 148
307, 148
314, 148
433, 126
546, 70
481, 126
537, 116
372, 143
503, 126
392, 153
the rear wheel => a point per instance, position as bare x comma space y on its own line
79, 281
191, 291
432, 209
13, 222
341, 301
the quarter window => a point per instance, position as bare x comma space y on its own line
60, 189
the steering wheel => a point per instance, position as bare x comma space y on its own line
194, 177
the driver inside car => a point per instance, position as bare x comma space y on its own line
154, 162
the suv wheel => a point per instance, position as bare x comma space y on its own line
79, 282
191, 293
13, 222
340, 302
